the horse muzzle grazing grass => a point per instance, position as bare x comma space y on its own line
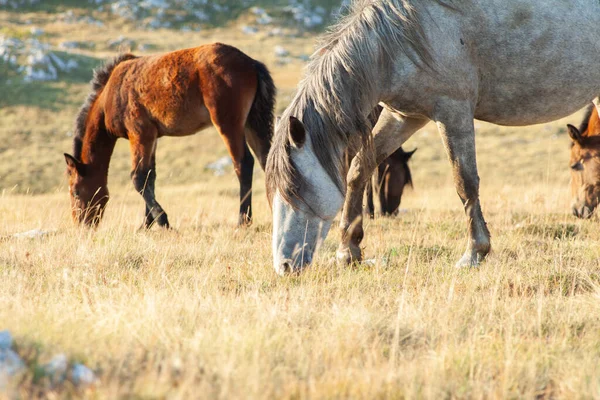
88, 193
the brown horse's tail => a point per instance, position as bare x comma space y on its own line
261, 117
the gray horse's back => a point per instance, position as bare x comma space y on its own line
522, 62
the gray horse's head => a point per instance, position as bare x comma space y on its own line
304, 198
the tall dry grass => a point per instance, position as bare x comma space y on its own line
199, 312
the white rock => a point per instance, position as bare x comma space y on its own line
276, 32
281, 51
249, 30
219, 165
264, 19
82, 375
70, 44
10, 364
201, 15
34, 233
56, 369
36, 31
5, 340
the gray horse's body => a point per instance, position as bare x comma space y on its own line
509, 62
522, 62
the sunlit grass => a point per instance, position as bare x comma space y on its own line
198, 312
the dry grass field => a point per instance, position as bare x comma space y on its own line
198, 312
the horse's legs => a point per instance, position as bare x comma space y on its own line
458, 134
149, 218
370, 204
243, 164
382, 188
244, 173
391, 131
143, 176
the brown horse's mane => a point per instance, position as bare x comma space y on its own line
586, 119
101, 76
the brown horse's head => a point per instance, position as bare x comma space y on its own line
88, 192
394, 175
585, 172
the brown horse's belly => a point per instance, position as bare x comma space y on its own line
185, 123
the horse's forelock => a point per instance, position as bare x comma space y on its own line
590, 142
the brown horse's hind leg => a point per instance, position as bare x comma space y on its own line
243, 163
143, 176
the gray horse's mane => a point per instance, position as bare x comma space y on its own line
340, 78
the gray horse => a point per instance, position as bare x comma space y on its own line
510, 62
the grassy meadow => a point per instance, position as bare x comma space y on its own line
198, 312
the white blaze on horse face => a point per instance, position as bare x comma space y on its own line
298, 232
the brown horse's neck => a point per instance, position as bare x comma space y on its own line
97, 145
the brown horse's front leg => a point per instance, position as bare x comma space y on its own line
143, 176
143, 181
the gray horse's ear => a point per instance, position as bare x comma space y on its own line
277, 120
297, 132
74, 165
574, 133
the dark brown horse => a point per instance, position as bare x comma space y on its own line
388, 182
174, 94
390, 177
585, 164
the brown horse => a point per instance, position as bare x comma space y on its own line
585, 164
392, 175
174, 94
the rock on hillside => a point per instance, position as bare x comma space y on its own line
154, 14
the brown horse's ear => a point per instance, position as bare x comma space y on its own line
409, 154
74, 165
574, 133
297, 132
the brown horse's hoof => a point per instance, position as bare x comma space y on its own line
346, 255
146, 227
244, 221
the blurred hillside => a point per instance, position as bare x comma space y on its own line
49, 48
